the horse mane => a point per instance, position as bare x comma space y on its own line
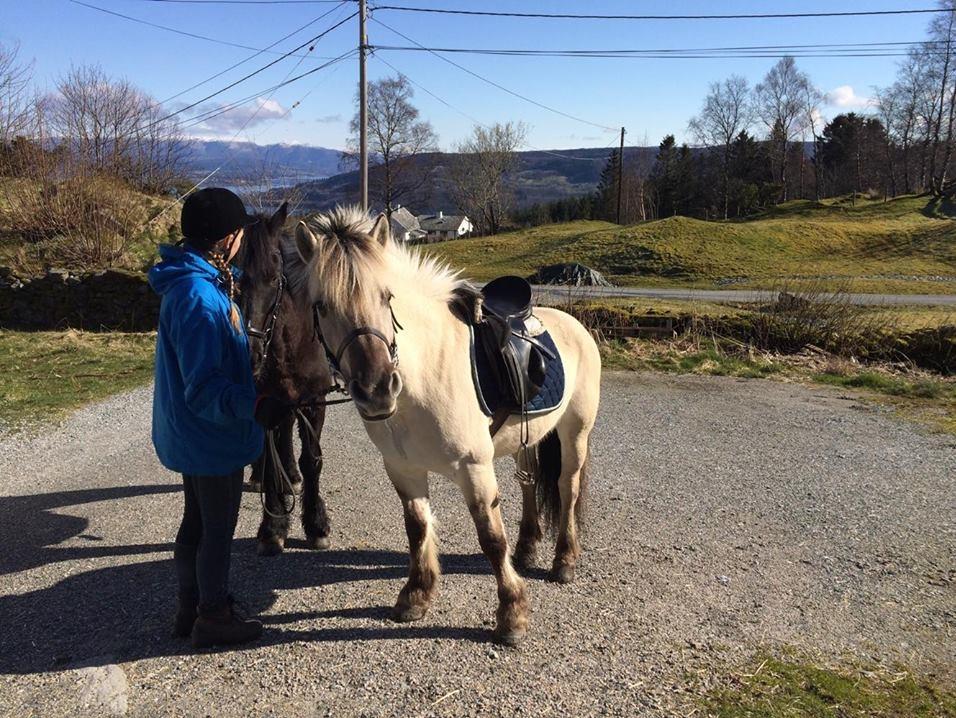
351, 269
256, 249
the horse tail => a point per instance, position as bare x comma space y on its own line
547, 478
547, 475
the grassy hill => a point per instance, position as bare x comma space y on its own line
903, 245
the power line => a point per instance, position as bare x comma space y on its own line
261, 69
485, 125
223, 109
175, 30
652, 55
246, 2
738, 16
495, 84
254, 55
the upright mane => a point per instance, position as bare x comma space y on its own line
351, 269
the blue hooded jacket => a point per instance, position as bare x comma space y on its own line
205, 394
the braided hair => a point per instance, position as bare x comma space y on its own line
218, 259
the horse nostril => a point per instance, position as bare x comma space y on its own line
357, 392
395, 385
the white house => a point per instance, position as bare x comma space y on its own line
441, 226
405, 226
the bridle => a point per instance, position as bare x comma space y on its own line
265, 334
334, 358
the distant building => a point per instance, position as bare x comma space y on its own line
405, 226
441, 226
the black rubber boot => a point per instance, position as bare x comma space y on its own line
185, 616
223, 627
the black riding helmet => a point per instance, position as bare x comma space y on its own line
211, 214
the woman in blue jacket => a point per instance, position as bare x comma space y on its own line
207, 420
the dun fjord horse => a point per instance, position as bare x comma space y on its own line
287, 366
379, 302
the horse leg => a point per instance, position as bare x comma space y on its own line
480, 488
274, 527
529, 533
315, 520
423, 571
567, 550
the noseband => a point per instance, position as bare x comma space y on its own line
265, 334
334, 358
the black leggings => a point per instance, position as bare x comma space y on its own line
204, 541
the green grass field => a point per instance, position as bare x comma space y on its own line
873, 246
46, 375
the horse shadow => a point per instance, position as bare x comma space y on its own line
123, 612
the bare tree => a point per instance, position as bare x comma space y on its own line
397, 141
943, 42
812, 101
480, 174
15, 104
780, 101
727, 111
115, 128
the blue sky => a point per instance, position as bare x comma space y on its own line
650, 97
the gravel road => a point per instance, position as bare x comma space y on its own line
726, 515
747, 296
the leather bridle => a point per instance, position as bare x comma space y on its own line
334, 358
265, 334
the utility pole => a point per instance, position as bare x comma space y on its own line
363, 109
620, 176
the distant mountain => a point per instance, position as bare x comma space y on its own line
247, 160
542, 176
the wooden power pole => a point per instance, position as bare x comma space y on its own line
620, 176
363, 109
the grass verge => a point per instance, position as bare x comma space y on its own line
46, 375
795, 688
921, 396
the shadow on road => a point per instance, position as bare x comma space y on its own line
123, 613
31, 529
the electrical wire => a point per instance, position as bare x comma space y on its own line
735, 16
175, 30
493, 83
483, 124
341, 3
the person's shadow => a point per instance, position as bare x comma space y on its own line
123, 613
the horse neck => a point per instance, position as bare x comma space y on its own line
423, 337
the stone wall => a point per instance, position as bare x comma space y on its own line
110, 299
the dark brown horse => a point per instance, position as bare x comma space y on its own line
288, 364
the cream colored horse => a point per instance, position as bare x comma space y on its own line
387, 318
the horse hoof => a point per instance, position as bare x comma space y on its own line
407, 614
269, 548
525, 560
318, 543
562, 574
511, 637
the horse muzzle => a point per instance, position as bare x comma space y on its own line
379, 402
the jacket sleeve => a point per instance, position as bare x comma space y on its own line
210, 394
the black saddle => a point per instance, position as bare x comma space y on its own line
518, 361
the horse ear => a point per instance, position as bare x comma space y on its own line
277, 220
380, 230
305, 241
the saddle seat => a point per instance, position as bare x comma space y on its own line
513, 358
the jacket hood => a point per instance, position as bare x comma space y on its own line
179, 263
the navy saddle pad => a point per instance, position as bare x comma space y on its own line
489, 394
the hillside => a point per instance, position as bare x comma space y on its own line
904, 245
246, 160
541, 177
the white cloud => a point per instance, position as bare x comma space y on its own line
327, 119
245, 116
845, 98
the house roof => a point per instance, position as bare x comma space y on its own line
445, 223
405, 220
